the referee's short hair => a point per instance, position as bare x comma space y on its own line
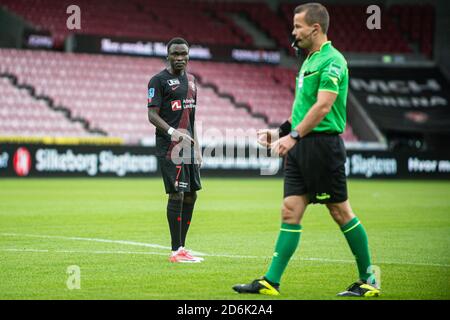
315, 13
176, 41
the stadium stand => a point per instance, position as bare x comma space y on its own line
346, 37
110, 92
99, 17
197, 22
259, 12
418, 23
251, 85
153, 20
22, 115
208, 22
389, 39
268, 91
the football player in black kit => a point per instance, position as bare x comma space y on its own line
172, 98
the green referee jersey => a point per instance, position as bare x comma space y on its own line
324, 70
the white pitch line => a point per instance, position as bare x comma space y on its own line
131, 243
84, 251
25, 250
142, 244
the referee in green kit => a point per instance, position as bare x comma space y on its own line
315, 155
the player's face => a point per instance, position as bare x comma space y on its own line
178, 56
302, 31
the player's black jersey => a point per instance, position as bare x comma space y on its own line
177, 98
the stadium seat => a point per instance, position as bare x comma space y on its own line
110, 91
23, 115
144, 19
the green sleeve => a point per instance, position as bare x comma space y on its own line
331, 76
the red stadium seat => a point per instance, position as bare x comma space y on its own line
110, 93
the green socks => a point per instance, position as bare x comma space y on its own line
357, 240
289, 238
285, 247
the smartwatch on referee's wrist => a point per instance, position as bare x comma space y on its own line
294, 135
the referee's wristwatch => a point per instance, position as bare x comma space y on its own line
294, 135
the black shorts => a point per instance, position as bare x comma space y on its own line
315, 166
179, 178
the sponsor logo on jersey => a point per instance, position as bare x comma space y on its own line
151, 94
188, 103
308, 73
335, 69
176, 105
173, 82
182, 184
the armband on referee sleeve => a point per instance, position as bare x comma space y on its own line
285, 129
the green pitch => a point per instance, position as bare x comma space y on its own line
115, 231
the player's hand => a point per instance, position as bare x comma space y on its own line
266, 136
198, 158
282, 146
182, 138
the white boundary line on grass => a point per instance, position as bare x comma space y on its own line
131, 243
149, 245
83, 251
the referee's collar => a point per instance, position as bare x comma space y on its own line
326, 44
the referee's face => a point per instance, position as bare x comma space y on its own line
178, 56
302, 31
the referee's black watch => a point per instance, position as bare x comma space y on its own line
294, 135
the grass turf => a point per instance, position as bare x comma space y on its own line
236, 223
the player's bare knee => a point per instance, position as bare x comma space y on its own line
335, 215
340, 214
289, 214
178, 196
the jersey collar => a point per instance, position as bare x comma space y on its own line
325, 44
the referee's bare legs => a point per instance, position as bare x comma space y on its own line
293, 209
341, 212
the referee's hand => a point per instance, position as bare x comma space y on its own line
266, 136
282, 146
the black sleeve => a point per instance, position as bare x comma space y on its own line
154, 95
